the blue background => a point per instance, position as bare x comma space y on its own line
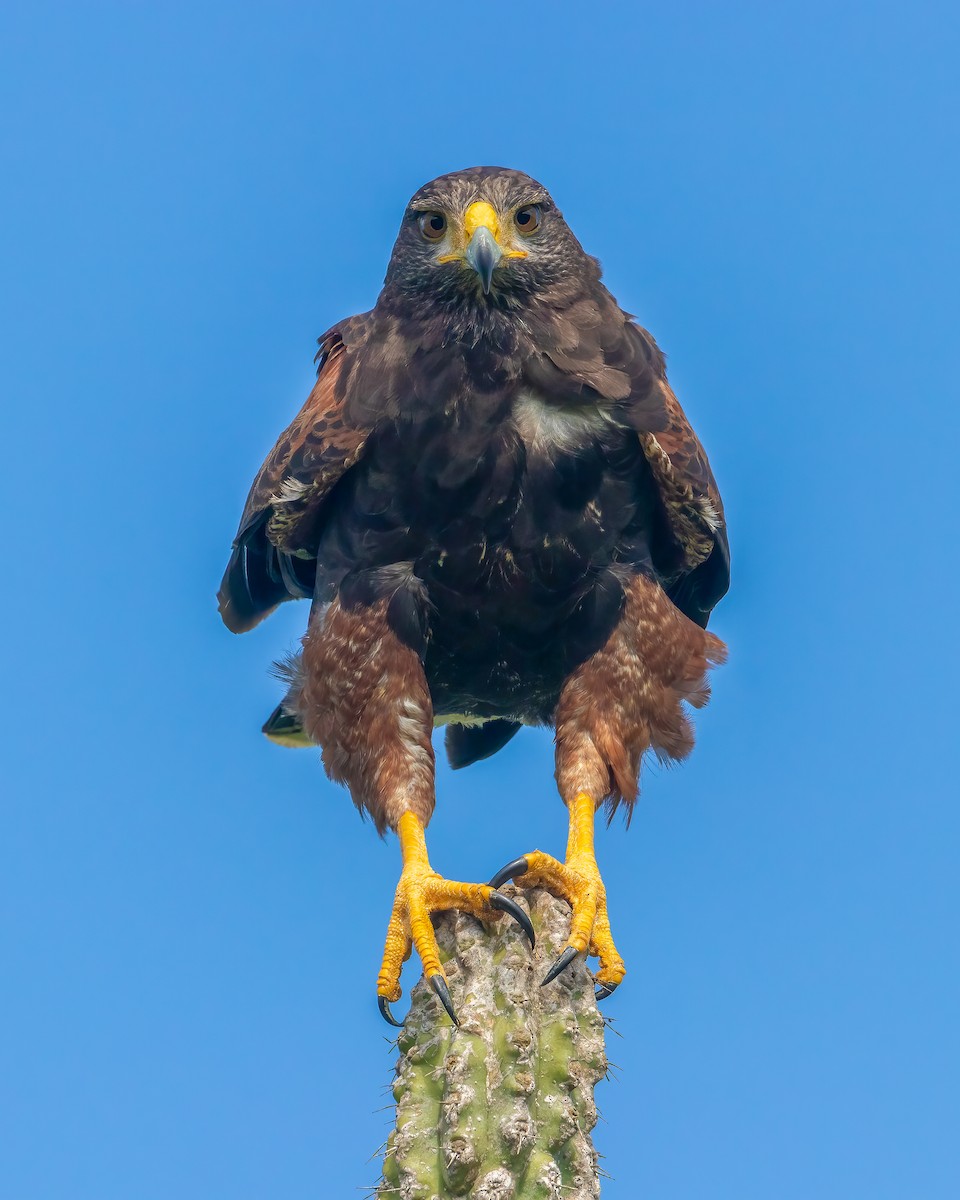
191, 918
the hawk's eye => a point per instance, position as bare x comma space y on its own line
433, 225
527, 220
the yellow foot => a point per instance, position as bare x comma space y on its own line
420, 892
578, 881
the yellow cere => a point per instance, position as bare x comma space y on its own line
481, 213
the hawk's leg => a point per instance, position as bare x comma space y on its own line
578, 881
625, 699
420, 892
361, 693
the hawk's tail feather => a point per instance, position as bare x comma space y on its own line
468, 744
286, 729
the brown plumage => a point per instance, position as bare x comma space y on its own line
500, 512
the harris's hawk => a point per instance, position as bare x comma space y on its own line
502, 517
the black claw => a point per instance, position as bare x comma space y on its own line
505, 904
564, 961
387, 1015
519, 866
439, 985
605, 989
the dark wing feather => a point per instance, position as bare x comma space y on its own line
591, 351
691, 551
271, 560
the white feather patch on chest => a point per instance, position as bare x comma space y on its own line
545, 426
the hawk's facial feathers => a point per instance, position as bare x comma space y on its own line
488, 237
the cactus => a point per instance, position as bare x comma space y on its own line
501, 1108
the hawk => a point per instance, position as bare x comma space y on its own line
501, 517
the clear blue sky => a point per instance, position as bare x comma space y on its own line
190, 194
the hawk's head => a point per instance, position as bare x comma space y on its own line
487, 237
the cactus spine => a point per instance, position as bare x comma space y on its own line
501, 1108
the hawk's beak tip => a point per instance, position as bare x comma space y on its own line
483, 254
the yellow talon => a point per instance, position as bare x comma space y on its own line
420, 892
578, 881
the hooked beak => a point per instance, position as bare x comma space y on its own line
483, 254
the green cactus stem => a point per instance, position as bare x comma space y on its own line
501, 1108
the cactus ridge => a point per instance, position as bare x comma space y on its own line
501, 1108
